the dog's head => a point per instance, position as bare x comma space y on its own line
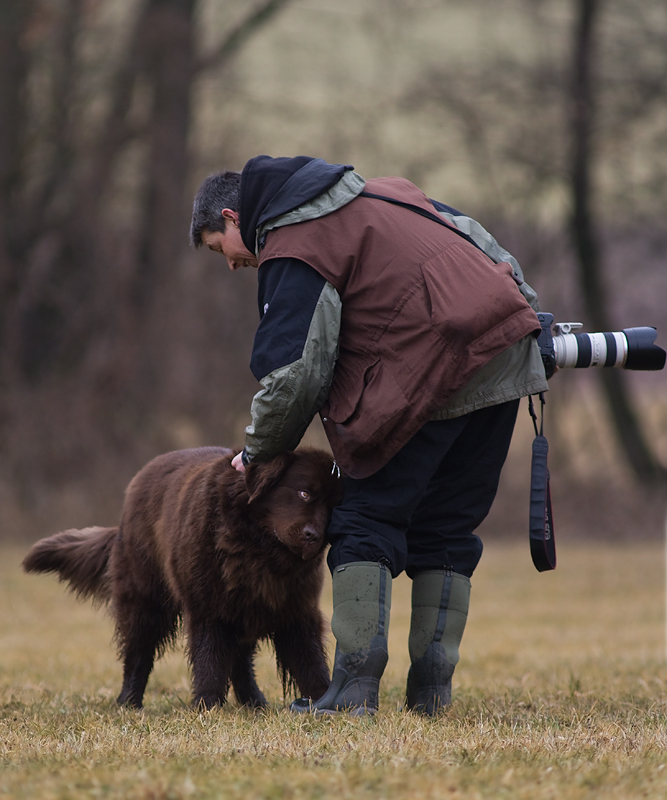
293, 495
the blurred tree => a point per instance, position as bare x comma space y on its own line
57, 165
565, 118
95, 115
585, 234
14, 69
115, 343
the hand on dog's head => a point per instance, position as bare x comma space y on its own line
261, 476
292, 496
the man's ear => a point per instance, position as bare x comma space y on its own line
231, 216
264, 475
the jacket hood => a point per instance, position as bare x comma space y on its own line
273, 186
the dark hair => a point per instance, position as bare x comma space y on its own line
216, 192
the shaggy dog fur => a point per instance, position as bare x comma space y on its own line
237, 558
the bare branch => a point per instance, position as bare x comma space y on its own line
57, 172
239, 35
117, 131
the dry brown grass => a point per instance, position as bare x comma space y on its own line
560, 693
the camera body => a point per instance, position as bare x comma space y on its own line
631, 348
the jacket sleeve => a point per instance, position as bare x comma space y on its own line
294, 355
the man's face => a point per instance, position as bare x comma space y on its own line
230, 244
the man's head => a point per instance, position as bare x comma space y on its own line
215, 219
216, 192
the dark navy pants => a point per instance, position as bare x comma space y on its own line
421, 509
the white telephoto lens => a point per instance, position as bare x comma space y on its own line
566, 350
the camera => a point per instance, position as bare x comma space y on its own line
631, 348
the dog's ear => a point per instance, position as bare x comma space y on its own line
260, 476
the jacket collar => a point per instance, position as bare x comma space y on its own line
274, 187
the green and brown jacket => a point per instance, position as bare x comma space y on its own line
374, 316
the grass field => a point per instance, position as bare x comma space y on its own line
560, 693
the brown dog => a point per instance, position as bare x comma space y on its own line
237, 559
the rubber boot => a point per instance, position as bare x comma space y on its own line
440, 600
361, 603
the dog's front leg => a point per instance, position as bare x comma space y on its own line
211, 646
245, 685
301, 657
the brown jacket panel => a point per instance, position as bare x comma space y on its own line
422, 311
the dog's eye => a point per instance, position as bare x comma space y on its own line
305, 496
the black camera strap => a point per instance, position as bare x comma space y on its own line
422, 213
542, 542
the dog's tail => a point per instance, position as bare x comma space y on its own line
80, 557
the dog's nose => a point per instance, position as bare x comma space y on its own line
310, 534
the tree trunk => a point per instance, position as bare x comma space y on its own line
169, 55
14, 61
587, 244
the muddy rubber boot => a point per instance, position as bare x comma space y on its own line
361, 601
440, 600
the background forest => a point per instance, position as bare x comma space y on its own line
544, 119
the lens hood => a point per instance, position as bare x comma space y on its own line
642, 353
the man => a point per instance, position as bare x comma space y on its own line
412, 333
